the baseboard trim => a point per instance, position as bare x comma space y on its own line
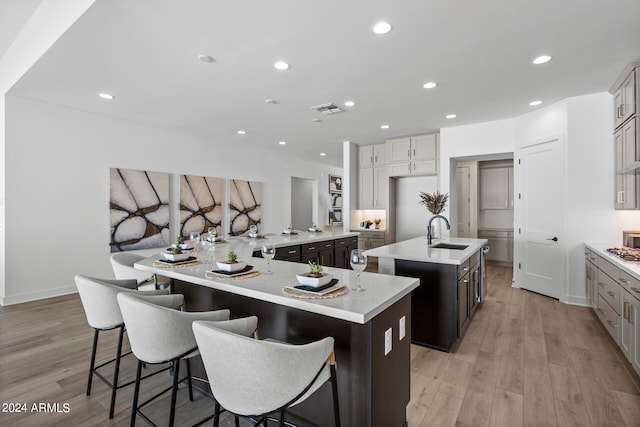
34, 296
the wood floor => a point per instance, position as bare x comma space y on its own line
525, 360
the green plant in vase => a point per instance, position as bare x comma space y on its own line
315, 270
435, 203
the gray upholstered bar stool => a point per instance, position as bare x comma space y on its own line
161, 335
123, 268
256, 378
100, 305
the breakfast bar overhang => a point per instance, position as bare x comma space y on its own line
373, 369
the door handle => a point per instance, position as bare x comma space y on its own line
555, 239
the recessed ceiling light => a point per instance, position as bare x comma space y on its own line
382, 28
205, 58
429, 85
282, 142
323, 154
384, 127
542, 59
281, 65
242, 132
349, 103
534, 103
451, 116
316, 120
104, 95
270, 101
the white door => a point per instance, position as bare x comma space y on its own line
541, 262
464, 201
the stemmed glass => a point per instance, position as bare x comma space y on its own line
358, 260
268, 252
213, 233
194, 238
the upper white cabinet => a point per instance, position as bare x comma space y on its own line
373, 178
417, 155
373, 188
371, 155
626, 138
624, 99
496, 188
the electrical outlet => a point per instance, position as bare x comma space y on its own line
402, 329
387, 341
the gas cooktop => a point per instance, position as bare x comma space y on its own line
627, 254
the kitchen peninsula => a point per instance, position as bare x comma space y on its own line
451, 285
366, 326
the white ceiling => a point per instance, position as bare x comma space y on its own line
479, 52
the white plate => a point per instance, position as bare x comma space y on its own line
176, 257
231, 267
322, 292
316, 282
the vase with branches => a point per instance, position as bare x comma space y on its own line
435, 203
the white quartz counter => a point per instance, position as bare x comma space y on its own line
359, 307
418, 250
630, 267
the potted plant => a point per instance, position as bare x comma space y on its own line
377, 222
435, 203
176, 252
367, 223
315, 277
232, 263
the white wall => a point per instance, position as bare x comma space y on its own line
585, 122
411, 217
57, 187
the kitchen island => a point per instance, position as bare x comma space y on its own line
373, 375
451, 285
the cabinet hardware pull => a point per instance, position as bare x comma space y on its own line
611, 323
313, 248
601, 310
626, 311
466, 280
409, 153
636, 290
292, 252
601, 284
592, 259
611, 293
328, 245
465, 268
623, 281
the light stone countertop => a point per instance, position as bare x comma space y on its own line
630, 267
417, 250
359, 307
301, 238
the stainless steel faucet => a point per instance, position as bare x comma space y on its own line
446, 221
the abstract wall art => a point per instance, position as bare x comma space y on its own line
138, 209
201, 204
245, 206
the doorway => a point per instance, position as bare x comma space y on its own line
304, 194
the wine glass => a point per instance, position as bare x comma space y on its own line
268, 252
194, 238
213, 233
253, 230
358, 260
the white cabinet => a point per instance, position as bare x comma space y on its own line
626, 142
635, 344
373, 188
371, 239
500, 245
496, 188
371, 155
624, 100
416, 155
626, 323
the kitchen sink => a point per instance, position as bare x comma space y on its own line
449, 246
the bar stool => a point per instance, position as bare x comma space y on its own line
99, 300
122, 264
256, 378
161, 335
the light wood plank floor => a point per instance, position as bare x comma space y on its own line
525, 360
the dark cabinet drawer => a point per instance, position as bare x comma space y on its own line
288, 252
317, 247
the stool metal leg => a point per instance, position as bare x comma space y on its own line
174, 391
93, 360
116, 372
136, 391
334, 388
189, 379
216, 415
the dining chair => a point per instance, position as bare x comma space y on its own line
123, 268
257, 378
99, 300
160, 335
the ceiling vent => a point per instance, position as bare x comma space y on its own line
327, 108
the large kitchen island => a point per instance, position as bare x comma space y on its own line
451, 285
373, 372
